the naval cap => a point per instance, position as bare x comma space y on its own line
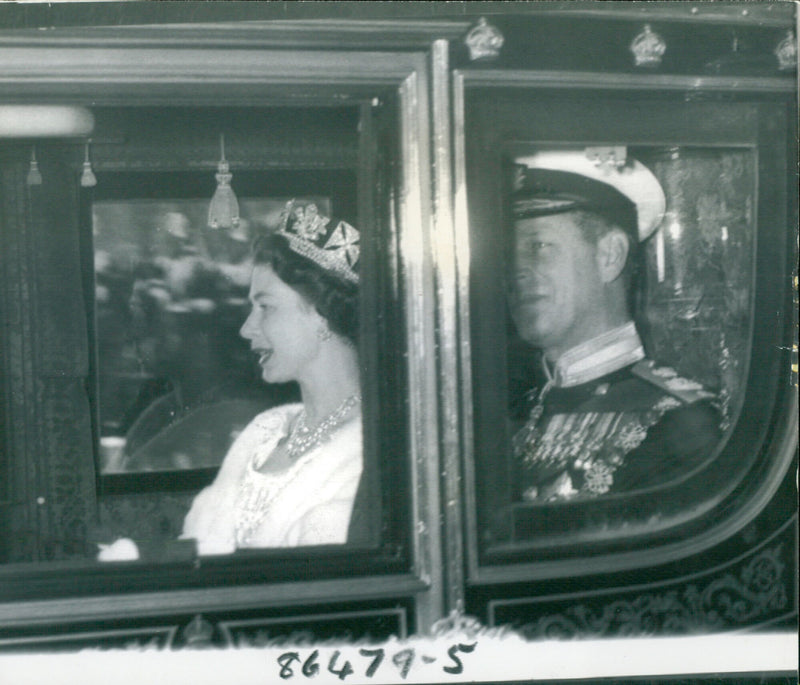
602, 180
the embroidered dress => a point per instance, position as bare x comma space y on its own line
309, 503
610, 420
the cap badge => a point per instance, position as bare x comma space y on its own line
607, 157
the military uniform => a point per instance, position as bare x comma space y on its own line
609, 420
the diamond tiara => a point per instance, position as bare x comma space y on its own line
308, 234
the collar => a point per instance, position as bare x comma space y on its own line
604, 354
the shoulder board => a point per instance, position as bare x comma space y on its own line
670, 382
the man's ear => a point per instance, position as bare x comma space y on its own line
612, 253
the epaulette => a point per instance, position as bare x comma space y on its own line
670, 382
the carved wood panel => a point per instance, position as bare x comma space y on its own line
755, 589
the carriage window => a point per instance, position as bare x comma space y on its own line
177, 383
626, 330
194, 363
227, 331
624, 382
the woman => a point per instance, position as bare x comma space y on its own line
290, 479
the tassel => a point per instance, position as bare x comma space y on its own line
88, 179
34, 175
223, 212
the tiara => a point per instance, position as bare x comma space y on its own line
308, 234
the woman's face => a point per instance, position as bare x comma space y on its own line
283, 327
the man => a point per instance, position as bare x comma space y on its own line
607, 419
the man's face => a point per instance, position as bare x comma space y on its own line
556, 292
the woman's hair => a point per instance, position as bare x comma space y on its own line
334, 298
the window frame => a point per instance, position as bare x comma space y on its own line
120, 182
253, 66
701, 531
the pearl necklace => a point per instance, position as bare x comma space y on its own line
302, 438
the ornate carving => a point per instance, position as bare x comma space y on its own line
484, 41
457, 622
728, 601
265, 638
315, 629
648, 48
198, 633
134, 639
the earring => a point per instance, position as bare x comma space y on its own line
324, 333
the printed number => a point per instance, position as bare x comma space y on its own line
311, 667
285, 660
403, 660
344, 671
377, 658
453, 654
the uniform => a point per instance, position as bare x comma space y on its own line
609, 420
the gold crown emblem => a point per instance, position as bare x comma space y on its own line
648, 48
307, 232
484, 41
786, 52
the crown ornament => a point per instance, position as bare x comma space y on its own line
484, 41
308, 234
786, 52
648, 48
198, 632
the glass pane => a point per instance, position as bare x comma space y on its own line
177, 383
223, 359
633, 440
699, 268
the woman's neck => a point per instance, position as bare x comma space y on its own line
330, 380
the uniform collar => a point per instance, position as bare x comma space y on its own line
604, 354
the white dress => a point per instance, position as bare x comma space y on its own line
310, 503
